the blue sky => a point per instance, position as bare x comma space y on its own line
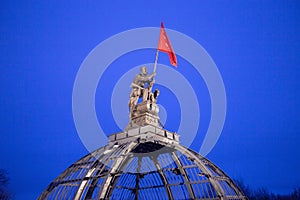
254, 44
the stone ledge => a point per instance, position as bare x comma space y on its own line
147, 133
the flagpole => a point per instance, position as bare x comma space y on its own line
154, 70
155, 62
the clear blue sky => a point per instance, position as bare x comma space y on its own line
255, 45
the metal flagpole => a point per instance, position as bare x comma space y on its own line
154, 70
156, 59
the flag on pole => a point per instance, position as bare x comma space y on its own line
164, 45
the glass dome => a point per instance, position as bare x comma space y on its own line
144, 167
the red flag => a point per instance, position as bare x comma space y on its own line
165, 45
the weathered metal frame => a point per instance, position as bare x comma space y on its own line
118, 156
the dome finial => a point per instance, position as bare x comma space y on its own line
145, 112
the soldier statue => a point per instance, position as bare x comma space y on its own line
141, 87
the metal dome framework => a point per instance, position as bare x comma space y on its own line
144, 167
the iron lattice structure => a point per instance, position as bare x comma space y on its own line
151, 166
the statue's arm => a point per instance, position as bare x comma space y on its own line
143, 78
151, 77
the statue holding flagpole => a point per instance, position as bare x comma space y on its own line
143, 83
141, 87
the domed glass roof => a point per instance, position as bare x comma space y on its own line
143, 168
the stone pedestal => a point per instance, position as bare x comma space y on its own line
145, 113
